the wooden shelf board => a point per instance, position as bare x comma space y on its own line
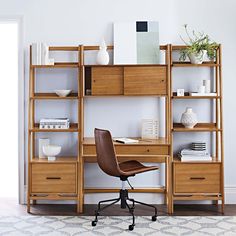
121, 158
196, 97
54, 96
196, 197
68, 159
64, 48
127, 65
110, 47
120, 96
178, 47
159, 141
200, 127
73, 128
188, 64
38, 196
58, 65
136, 190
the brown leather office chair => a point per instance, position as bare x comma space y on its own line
107, 161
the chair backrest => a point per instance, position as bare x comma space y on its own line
106, 156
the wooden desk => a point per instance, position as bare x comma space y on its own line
147, 151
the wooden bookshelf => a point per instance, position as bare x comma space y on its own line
200, 180
123, 81
52, 180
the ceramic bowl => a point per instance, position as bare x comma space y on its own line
63, 93
51, 151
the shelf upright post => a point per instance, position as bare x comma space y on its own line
80, 203
221, 129
30, 125
171, 138
217, 104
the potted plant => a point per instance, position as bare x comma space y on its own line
198, 46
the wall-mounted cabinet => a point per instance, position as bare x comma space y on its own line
126, 80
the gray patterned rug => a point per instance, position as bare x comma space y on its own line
72, 225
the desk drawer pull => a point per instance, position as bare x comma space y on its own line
53, 177
197, 178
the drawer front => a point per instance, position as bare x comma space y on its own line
146, 80
54, 178
131, 149
196, 178
107, 81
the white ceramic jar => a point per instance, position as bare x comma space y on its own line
197, 58
189, 118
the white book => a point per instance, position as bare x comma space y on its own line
125, 140
34, 54
66, 126
202, 94
38, 53
193, 152
54, 120
195, 158
44, 54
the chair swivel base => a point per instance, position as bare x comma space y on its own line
123, 204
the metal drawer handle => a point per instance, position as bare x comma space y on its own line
53, 177
197, 178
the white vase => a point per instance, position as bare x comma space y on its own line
102, 56
197, 58
189, 118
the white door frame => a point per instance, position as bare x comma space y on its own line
21, 106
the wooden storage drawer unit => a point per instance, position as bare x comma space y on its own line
145, 80
107, 80
196, 178
132, 149
53, 178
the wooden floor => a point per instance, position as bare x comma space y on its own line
11, 207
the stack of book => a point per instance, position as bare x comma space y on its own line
54, 123
40, 54
194, 155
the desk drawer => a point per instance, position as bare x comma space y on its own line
196, 178
132, 150
53, 178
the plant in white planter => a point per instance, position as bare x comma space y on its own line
198, 46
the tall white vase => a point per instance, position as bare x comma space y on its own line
102, 56
189, 118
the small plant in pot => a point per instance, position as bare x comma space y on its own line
198, 46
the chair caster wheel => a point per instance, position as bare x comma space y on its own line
131, 227
94, 223
154, 218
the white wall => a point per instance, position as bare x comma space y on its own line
74, 22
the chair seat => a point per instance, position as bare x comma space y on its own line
130, 168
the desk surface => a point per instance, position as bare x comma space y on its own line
159, 141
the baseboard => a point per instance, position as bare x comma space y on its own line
230, 198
